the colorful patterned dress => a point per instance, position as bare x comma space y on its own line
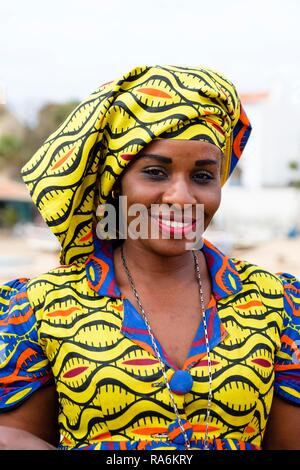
73, 326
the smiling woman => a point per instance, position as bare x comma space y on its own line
143, 343
175, 174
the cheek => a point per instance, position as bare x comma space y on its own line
138, 192
211, 201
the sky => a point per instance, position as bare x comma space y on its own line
62, 50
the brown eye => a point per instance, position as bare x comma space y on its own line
203, 177
154, 172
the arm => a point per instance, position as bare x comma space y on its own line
33, 425
283, 427
28, 408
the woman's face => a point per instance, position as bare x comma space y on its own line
183, 173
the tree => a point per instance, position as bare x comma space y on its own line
10, 150
15, 152
50, 117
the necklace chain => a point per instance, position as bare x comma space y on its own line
157, 353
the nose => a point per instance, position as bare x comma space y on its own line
180, 192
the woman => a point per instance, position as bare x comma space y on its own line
143, 343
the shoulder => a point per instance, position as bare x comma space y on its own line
281, 281
16, 315
279, 290
12, 288
58, 276
58, 284
259, 276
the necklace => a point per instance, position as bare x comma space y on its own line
158, 356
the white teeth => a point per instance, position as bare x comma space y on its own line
174, 224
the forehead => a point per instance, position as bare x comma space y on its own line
182, 155
182, 148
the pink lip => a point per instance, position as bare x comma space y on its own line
171, 231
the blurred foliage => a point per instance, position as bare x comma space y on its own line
16, 151
10, 150
294, 166
8, 217
50, 117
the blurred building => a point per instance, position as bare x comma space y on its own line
274, 142
259, 203
15, 203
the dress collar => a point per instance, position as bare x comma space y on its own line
100, 271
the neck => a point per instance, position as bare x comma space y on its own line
177, 266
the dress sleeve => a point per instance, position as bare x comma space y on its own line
287, 360
23, 365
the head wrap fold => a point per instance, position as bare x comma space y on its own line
78, 165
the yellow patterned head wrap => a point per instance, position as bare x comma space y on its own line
77, 166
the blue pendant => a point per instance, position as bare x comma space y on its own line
181, 382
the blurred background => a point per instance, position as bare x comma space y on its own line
54, 54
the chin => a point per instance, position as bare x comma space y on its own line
167, 248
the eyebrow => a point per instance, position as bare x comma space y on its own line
168, 160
